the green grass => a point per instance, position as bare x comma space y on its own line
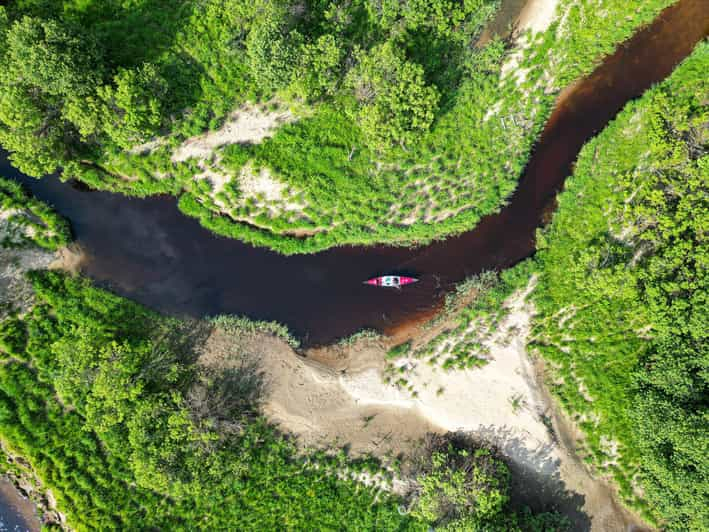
465, 345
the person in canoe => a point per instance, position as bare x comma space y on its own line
391, 281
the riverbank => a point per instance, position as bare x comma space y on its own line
146, 250
622, 285
441, 186
337, 396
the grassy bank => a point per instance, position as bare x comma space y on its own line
25, 221
367, 161
623, 299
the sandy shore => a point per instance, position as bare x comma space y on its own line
537, 15
335, 396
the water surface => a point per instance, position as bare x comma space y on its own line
148, 251
16, 512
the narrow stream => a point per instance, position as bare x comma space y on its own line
148, 251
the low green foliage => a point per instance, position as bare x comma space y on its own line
477, 306
26, 220
391, 101
362, 335
623, 299
399, 350
241, 325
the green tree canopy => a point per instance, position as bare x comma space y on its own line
393, 104
461, 487
134, 105
47, 57
319, 68
44, 65
272, 50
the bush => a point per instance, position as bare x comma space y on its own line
462, 486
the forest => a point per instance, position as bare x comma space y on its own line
624, 316
401, 124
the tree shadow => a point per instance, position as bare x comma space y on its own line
132, 33
503, 24
536, 480
227, 388
182, 338
227, 398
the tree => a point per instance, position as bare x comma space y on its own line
44, 65
319, 68
134, 106
47, 57
443, 17
4, 24
272, 50
31, 129
464, 487
393, 104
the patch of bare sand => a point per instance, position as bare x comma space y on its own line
536, 16
68, 258
249, 124
147, 147
307, 398
15, 290
264, 185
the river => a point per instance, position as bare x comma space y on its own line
147, 250
16, 513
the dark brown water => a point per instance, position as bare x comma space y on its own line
149, 251
16, 513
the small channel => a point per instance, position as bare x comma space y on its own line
147, 250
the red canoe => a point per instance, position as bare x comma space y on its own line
393, 281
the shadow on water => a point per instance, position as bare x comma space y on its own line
147, 250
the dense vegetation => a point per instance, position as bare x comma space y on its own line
624, 315
408, 130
